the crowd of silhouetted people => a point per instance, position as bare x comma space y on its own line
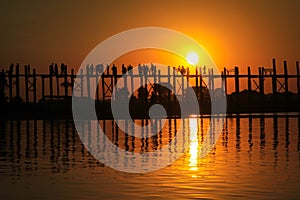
143, 70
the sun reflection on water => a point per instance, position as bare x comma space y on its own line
193, 131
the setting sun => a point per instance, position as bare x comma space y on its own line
192, 58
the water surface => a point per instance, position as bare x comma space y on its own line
255, 157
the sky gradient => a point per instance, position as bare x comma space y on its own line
238, 33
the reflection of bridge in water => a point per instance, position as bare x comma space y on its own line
54, 146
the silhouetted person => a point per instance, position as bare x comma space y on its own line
114, 70
107, 69
91, 69
153, 98
99, 68
182, 70
56, 69
51, 69
130, 69
124, 69
145, 70
63, 69
28, 69
87, 69
11, 68
140, 68
143, 94
153, 69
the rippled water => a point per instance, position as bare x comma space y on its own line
255, 157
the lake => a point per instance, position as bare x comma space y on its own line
254, 157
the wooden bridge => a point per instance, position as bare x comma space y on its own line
58, 84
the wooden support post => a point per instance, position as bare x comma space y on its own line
103, 88
2, 86
222, 82
209, 81
249, 79
159, 88
26, 84
34, 85
18, 80
81, 82
236, 78
169, 84
261, 81
201, 88
88, 84
187, 77
132, 82
50, 80
43, 87
57, 83
72, 80
155, 82
197, 84
274, 79
141, 78
286, 80
113, 79
66, 81
125, 82
182, 86
225, 80
212, 83
298, 79
96, 85
10, 82
174, 83
146, 75
249, 84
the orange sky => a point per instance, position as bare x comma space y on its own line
233, 32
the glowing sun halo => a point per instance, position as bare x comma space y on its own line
192, 58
